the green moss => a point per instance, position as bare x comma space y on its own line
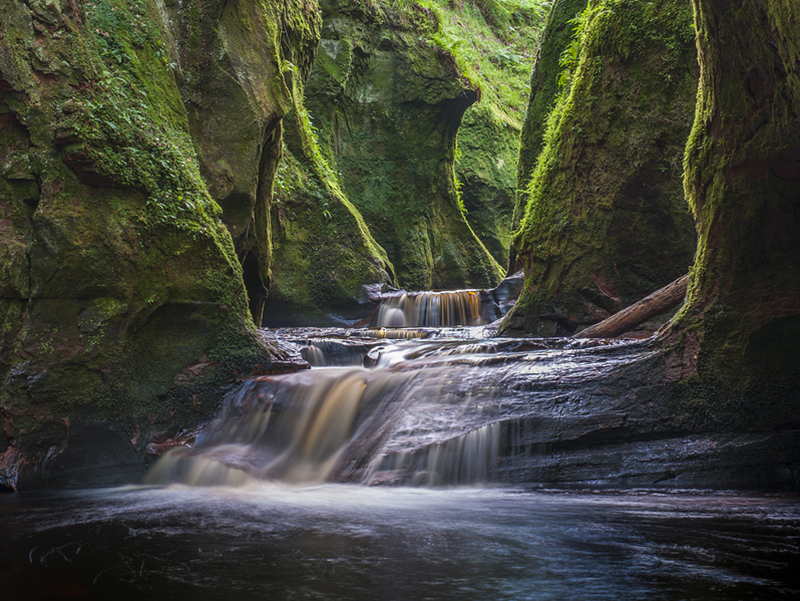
118, 274
238, 62
606, 223
324, 250
131, 124
742, 183
488, 149
493, 44
387, 128
544, 87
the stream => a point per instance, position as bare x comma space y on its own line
348, 542
440, 407
403, 465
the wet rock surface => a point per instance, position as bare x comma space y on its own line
451, 408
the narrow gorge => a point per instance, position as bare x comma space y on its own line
298, 299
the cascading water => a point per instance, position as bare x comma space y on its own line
436, 407
430, 411
436, 309
451, 408
431, 309
290, 428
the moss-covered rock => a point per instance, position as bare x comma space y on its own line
735, 340
494, 43
233, 66
487, 149
388, 104
606, 222
544, 89
324, 252
123, 304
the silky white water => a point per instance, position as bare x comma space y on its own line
430, 411
353, 543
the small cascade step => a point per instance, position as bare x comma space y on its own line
431, 309
447, 308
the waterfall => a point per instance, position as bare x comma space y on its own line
334, 424
290, 429
429, 404
427, 412
467, 459
408, 420
431, 309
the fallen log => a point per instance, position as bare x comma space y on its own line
661, 301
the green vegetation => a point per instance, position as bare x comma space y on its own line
605, 222
385, 104
738, 327
125, 301
546, 81
494, 44
132, 123
379, 158
323, 249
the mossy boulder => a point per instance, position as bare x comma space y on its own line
606, 222
387, 104
123, 303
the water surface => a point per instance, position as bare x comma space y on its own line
448, 407
334, 541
